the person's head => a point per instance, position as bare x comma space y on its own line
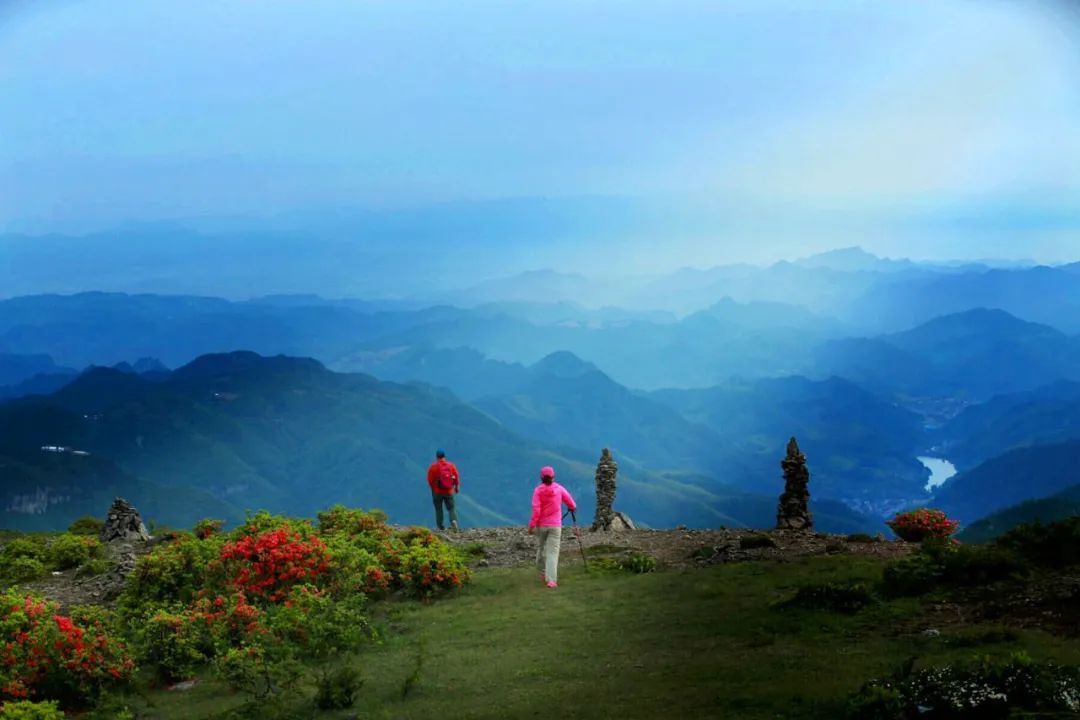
547, 474
440, 454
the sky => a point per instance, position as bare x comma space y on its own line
737, 130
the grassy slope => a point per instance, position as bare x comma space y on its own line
697, 643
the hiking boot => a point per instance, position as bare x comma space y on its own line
552, 584
453, 525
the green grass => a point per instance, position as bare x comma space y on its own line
696, 643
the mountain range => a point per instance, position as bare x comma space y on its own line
289, 435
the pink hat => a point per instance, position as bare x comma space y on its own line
547, 471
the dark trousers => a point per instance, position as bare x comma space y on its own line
439, 500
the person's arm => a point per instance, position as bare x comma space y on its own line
569, 500
432, 475
457, 479
535, 519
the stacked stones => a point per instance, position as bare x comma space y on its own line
792, 512
123, 523
606, 471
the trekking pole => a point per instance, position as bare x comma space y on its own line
577, 534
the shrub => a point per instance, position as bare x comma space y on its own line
174, 571
23, 547
983, 689
26, 710
915, 575
68, 551
338, 689
266, 560
86, 525
23, 569
847, 598
750, 542
175, 644
48, 655
207, 527
1054, 545
351, 521
942, 564
94, 566
638, 563
428, 566
917, 525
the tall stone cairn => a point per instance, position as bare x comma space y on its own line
123, 523
606, 470
793, 512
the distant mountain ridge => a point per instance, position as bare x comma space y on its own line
289, 435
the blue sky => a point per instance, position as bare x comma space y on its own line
944, 128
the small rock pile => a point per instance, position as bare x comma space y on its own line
123, 523
792, 512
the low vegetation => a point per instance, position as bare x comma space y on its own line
286, 618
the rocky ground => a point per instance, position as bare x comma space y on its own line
508, 546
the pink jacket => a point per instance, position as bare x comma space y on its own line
547, 505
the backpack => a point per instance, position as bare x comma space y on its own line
446, 476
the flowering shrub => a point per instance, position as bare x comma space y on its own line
984, 689
267, 563
48, 655
917, 525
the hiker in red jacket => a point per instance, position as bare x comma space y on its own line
443, 479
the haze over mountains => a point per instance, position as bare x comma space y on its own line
694, 379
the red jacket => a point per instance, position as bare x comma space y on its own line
433, 478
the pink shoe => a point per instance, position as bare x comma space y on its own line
543, 578
551, 584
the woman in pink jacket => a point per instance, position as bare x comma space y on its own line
546, 521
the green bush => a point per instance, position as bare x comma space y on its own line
94, 566
23, 547
86, 525
1053, 545
750, 542
428, 565
26, 710
207, 527
915, 575
173, 572
351, 521
942, 565
846, 598
23, 569
68, 551
337, 689
981, 690
175, 644
638, 563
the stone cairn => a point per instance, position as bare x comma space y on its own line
123, 523
606, 470
792, 512
607, 518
